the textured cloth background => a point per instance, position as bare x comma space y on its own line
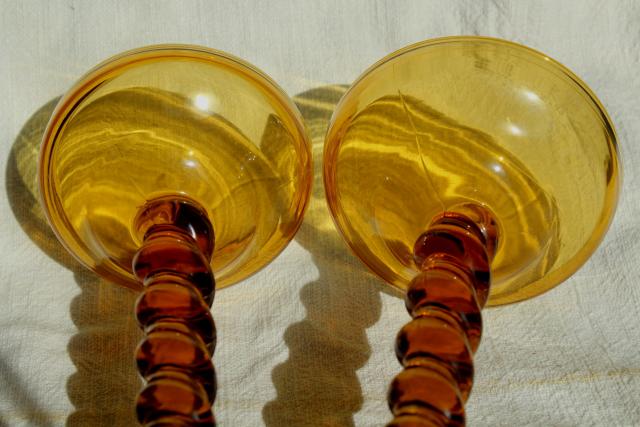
308, 341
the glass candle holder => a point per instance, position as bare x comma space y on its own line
466, 171
164, 167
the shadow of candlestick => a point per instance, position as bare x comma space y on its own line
105, 383
317, 385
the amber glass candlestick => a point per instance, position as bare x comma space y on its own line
160, 169
466, 171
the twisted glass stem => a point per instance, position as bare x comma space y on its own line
436, 348
174, 358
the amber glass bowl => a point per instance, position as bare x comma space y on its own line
461, 121
175, 120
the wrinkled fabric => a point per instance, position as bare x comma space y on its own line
308, 341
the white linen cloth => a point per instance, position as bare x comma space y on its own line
308, 341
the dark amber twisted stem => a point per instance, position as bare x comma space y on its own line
174, 358
436, 347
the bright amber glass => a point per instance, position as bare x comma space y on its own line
472, 120
183, 120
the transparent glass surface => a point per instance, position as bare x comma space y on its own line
182, 120
460, 120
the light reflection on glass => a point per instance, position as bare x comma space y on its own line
531, 96
515, 130
202, 102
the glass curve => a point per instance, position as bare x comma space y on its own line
175, 119
460, 120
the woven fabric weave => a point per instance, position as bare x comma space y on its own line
308, 341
